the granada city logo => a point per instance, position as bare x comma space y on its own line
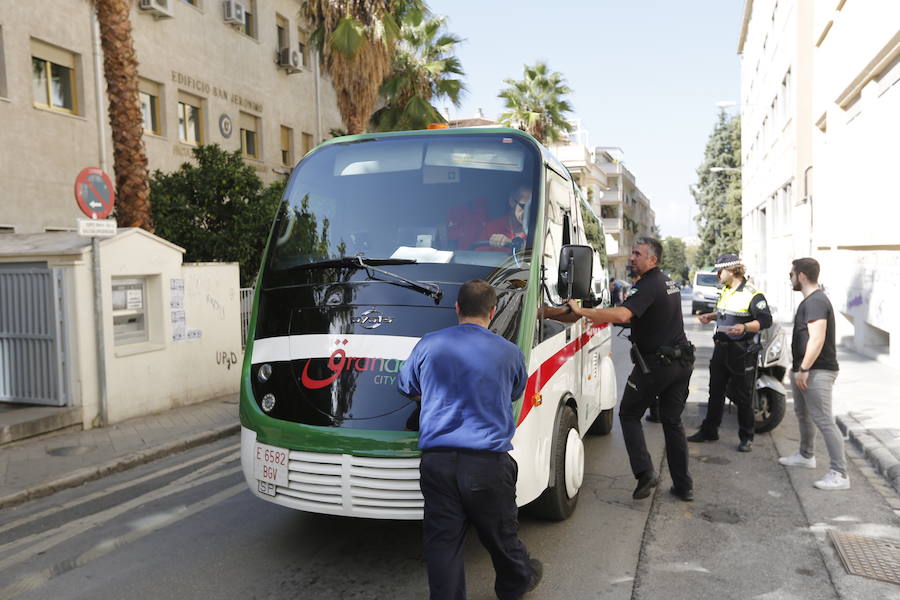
338, 362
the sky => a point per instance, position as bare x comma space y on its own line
645, 75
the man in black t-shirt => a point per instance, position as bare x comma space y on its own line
813, 374
653, 305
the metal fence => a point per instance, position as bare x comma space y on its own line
246, 308
32, 328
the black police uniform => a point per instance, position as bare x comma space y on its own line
733, 364
657, 331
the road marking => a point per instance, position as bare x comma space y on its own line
36, 579
122, 486
48, 539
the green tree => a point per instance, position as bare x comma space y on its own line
356, 40
718, 193
218, 210
536, 104
674, 258
424, 69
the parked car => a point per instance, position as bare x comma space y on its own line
706, 292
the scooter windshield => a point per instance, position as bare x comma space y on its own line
465, 199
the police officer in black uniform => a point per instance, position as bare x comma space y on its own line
664, 361
741, 312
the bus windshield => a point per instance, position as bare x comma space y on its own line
445, 199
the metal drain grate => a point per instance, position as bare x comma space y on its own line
868, 557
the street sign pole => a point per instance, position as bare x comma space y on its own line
95, 196
98, 332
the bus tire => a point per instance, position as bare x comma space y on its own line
559, 500
603, 424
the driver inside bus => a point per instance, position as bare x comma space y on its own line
502, 231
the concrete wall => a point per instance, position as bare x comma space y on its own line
838, 150
167, 369
194, 52
161, 373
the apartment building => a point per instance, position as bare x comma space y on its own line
624, 210
820, 98
238, 73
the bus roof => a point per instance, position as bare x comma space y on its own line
546, 155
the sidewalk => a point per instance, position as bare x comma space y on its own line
39, 466
867, 408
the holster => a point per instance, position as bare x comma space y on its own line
683, 353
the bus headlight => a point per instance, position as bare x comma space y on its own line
264, 373
268, 402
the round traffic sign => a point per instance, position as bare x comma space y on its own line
94, 193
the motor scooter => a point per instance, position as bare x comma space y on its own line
768, 390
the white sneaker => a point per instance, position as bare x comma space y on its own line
833, 481
798, 460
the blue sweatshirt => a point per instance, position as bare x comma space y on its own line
468, 379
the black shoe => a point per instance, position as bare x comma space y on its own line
702, 436
745, 446
537, 573
646, 482
685, 495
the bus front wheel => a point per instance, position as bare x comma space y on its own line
559, 500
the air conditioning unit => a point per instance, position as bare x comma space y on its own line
290, 59
160, 9
234, 12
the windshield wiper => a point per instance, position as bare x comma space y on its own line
432, 290
352, 261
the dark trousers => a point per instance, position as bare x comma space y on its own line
670, 384
462, 487
733, 369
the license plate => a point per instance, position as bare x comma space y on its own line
271, 465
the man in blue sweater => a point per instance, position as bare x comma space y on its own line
468, 378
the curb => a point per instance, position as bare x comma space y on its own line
116, 465
881, 458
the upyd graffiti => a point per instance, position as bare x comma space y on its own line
385, 368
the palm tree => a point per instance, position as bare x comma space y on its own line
355, 40
423, 69
536, 104
120, 69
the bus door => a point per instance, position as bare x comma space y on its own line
560, 221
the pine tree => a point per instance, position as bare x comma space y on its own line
718, 193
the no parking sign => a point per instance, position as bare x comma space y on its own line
94, 193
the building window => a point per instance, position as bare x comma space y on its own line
281, 32
129, 308
249, 136
302, 43
149, 93
249, 26
287, 146
307, 142
190, 130
7, 228
53, 77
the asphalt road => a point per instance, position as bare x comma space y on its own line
186, 527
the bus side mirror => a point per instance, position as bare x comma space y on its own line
576, 266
